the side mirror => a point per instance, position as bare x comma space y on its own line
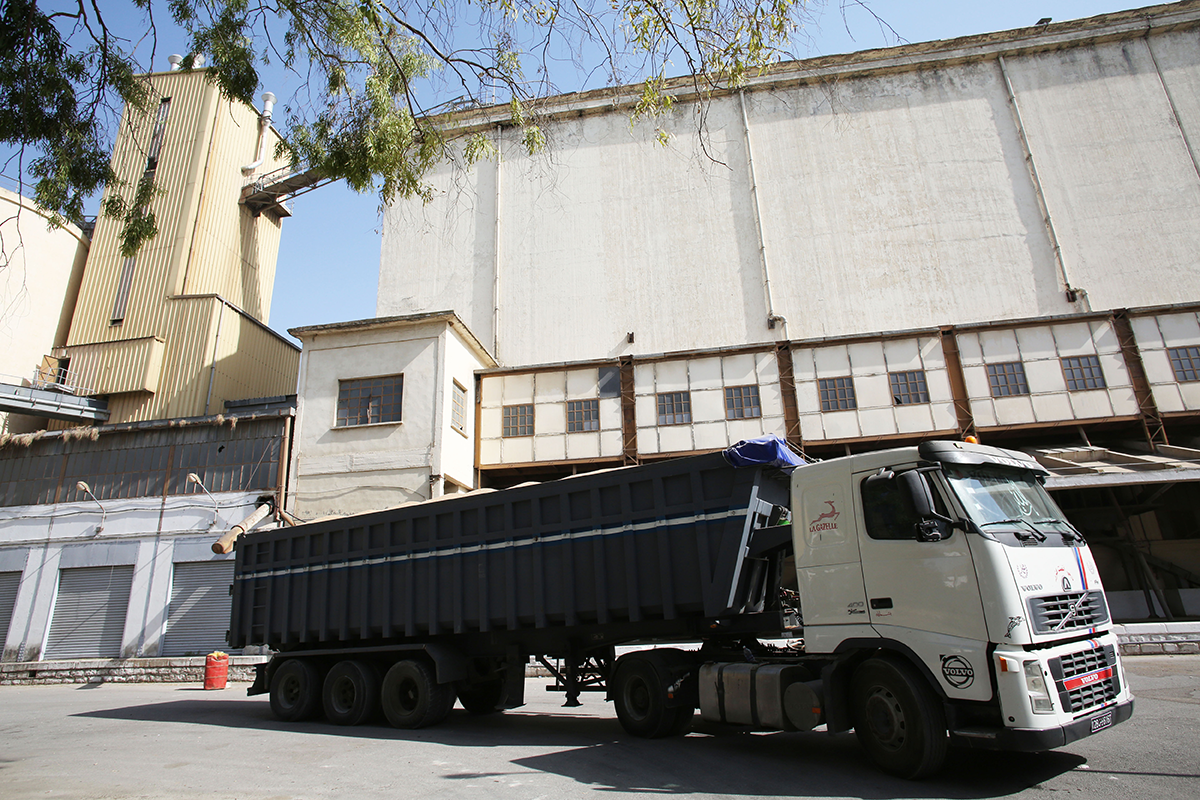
918, 491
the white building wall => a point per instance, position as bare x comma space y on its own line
40, 271
1156, 336
458, 446
889, 200
151, 534
1041, 350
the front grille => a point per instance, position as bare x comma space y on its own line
1087, 679
1049, 612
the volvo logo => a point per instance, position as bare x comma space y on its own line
957, 671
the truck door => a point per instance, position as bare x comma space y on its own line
923, 593
827, 563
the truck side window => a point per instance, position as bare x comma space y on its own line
888, 511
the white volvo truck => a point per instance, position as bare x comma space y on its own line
945, 601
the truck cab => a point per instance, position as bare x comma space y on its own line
954, 595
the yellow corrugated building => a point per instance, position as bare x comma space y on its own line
181, 327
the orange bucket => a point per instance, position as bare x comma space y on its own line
216, 670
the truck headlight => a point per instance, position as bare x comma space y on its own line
1035, 684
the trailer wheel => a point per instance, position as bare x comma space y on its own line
481, 698
295, 691
351, 693
639, 693
412, 697
898, 719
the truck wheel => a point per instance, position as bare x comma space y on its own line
412, 697
481, 698
295, 691
898, 719
639, 694
351, 693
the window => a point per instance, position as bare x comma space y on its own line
1007, 379
156, 141
674, 408
1185, 361
908, 388
458, 408
741, 402
369, 401
518, 420
1083, 372
583, 415
837, 394
610, 381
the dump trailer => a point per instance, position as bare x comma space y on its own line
926, 597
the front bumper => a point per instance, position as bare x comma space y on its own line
1031, 740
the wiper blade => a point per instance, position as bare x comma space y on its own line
1034, 534
1071, 534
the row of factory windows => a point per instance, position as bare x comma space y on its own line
376, 400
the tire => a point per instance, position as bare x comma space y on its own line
898, 719
351, 693
412, 698
639, 693
481, 698
295, 691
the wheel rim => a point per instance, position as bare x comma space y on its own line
407, 695
290, 691
885, 718
343, 695
637, 698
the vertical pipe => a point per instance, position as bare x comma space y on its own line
496, 254
1074, 294
1187, 142
212, 371
772, 318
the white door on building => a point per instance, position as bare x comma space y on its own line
9, 581
89, 612
200, 606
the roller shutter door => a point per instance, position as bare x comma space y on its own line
89, 612
200, 605
9, 581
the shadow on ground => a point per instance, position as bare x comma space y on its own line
596, 752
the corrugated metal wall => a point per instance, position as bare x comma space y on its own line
145, 463
208, 245
200, 604
89, 612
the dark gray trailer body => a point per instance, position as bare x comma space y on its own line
650, 551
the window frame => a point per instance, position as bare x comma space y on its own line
589, 407
899, 391
1088, 370
737, 405
835, 393
1000, 370
1178, 355
351, 384
510, 429
669, 400
458, 410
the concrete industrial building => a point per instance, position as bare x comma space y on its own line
158, 415
993, 236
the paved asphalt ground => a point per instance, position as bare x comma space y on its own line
174, 741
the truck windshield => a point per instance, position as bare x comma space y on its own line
1008, 501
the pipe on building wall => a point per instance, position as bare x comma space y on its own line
496, 255
772, 317
1187, 142
1075, 295
264, 122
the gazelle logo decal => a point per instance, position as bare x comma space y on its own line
820, 523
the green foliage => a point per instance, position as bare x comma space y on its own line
382, 77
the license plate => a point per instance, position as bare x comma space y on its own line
1102, 721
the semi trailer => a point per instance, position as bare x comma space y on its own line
925, 597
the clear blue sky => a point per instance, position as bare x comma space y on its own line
329, 254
